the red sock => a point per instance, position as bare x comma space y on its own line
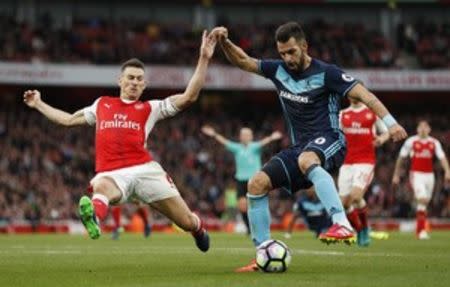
100, 208
116, 215
362, 214
354, 220
421, 218
143, 213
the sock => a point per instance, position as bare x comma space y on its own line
421, 218
245, 219
143, 214
328, 195
100, 203
362, 214
116, 214
353, 217
259, 217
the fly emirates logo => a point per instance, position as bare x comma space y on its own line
120, 121
356, 128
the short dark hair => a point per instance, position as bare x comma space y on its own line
133, 62
288, 30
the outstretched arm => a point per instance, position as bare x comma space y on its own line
234, 53
190, 95
445, 166
33, 99
211, 132
273, 137
359, 92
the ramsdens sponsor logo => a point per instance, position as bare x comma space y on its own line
300, 99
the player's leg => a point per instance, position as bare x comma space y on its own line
423, 185
275, 174
363, 175
320, 155
154, 186
143, 213
116, 212
176, 210
345, 180
105, 190
242, 202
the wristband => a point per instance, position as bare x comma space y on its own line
389, 120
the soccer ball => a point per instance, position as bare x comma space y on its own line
273, 256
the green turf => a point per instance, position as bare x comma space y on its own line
172, 260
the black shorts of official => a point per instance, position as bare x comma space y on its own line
241, 188
283, 169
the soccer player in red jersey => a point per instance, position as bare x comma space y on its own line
359, 125
421, 148
125, 169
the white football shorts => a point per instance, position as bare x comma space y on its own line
354, 175
146, 182
422, 184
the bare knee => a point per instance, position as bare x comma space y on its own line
307, 159
346, 201
259, 184
108, 188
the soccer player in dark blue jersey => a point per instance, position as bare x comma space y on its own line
310, 92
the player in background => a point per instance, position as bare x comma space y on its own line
360, 126
309, 92
141, 211
247, 157
421, 148
314, 215
125, 168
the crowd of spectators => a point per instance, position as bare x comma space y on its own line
44, 169
100, 41
428, 41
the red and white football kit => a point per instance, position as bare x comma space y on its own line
422, 152
359, 126
121, 131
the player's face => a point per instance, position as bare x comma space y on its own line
293, 53
132, 83
423, 129
246, 135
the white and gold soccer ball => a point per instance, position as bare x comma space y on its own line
273, 256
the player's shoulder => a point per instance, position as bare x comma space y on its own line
412, 139
433, 139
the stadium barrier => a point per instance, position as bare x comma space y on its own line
219, 77
75, 227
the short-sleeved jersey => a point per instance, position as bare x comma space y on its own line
360, 126
122, 129
247, 158
310, 99
422, 152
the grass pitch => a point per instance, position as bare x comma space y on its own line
173, 260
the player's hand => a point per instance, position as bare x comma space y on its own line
380, 140
395, 180
221, 33
208, 130
276, 135
447, 177
209, 42
397, 133
31, 98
